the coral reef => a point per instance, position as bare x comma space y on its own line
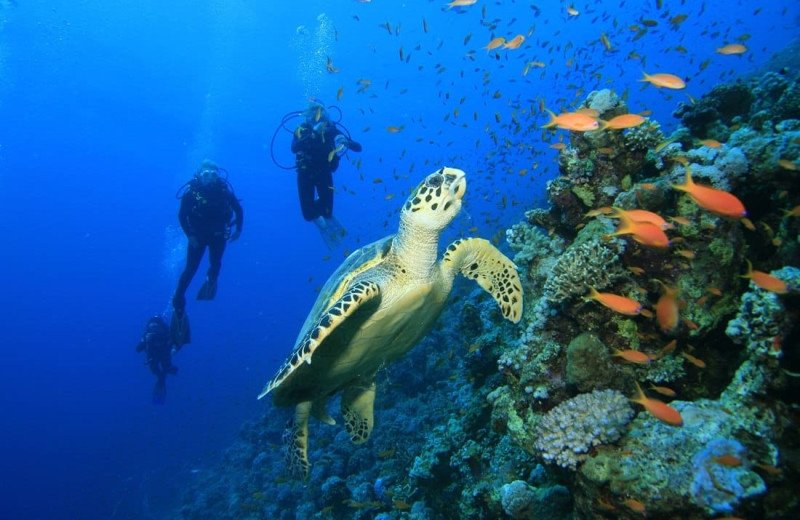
566, 433
486, 422
590, 264
669, 469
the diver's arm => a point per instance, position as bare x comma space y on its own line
238, 211
298, 143
353, 145
183, 214
348, 143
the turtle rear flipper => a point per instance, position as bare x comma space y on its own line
295, 439
479, 260
344, 307
357, 408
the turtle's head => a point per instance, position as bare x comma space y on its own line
437, 199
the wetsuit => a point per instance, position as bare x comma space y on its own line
315, 166
155, 343
205, 216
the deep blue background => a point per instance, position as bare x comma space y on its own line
107, 108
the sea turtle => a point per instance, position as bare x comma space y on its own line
377, 305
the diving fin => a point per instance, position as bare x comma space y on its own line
331, 231
208, 290
179, 331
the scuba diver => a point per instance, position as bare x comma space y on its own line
157, 344
208, 205
318, 144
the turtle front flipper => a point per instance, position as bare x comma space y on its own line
352, 300
479, 260
295, 440
357, 408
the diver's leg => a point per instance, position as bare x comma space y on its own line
165, 362
325, 193
216, 247
305, 191
194, 253
160, 390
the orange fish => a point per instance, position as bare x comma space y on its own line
515, 42
667, 309
624, 121
605, 210
733, 48
606, 42
768, 468
591, 112
633, 356
495, 43
765, 281
329, 66
616, 303
661, 411
669, 347
399, 504
663, 390
794, 212
461, 3
711, 143
681, 159
558, 146
395, 129
642, 216
789, 165
634, 505
572, 121
716, 201
645, 233
699, 363
731, 461
664, 80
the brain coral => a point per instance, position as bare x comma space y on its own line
589, 264
567, 432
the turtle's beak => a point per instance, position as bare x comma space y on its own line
457, 181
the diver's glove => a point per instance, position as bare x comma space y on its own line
235, 235
341, 141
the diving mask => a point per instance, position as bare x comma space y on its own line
207, 175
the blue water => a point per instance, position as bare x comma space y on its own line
108, 107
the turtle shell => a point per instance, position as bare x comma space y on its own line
359, 261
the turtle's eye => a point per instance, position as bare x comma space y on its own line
434, 181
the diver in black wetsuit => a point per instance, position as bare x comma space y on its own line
208, 205
156, 343
317, 144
